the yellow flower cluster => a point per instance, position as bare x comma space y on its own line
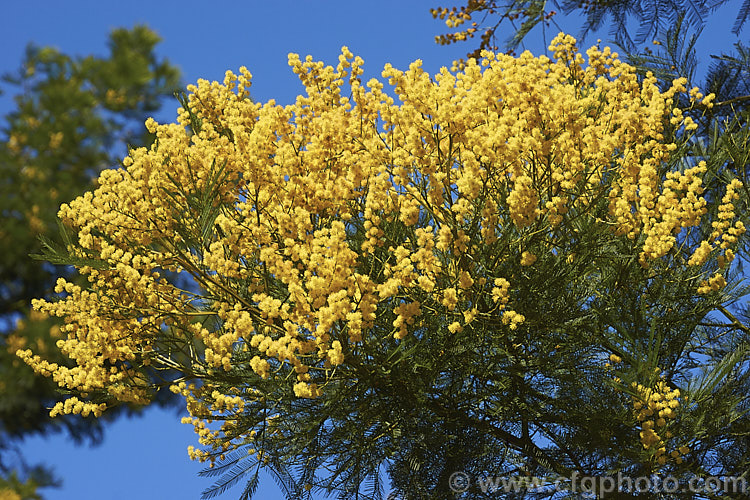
613, 360
527, 258
299, 228
8, 494
455, 17
724, 235
655, 407
513, 319
75, 406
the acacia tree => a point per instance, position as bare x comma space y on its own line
73, 116
514, 270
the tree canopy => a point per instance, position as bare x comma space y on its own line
520, 267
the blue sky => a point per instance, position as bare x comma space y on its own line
146, 458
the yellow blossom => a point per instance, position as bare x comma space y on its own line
357, 220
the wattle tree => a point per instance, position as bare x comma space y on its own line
511, 268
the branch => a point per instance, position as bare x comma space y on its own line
527, 447
732, 318
717, 325
733, 100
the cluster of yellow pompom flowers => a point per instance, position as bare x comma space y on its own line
343, 219
655, 407
8, 494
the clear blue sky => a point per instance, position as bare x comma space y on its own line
145, 458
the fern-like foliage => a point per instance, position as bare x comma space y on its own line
742, 15
676, 55
630, 23
729, 78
